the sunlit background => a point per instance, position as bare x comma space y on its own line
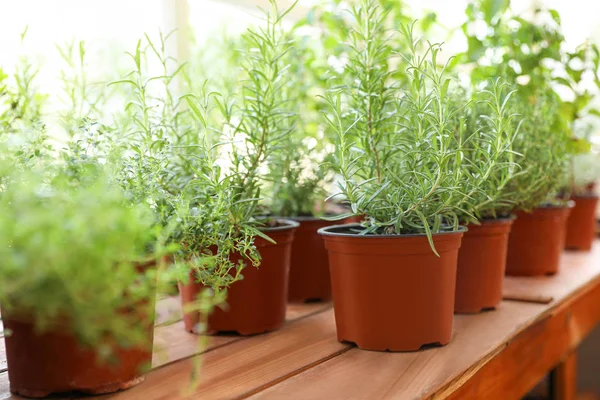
110, 27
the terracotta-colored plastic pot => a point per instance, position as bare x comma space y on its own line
581, 225
40, 364
309, 267
391, 292
536, 241
55, 362
356, 219
481, 266
257, 303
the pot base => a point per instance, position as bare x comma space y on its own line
475, 310
392, 292
536, 241
406, 348
105, 389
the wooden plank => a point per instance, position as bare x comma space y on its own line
168, 310
533, 353
361, 374
564, 379
577, 270
2, 356
5, 393
243, 367
173, 343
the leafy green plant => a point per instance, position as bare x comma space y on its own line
585, 172
400, 162
259, 124
297, 178
526, 52
584, 166
172, 164
544, 150
22, 132
71, 254
501, 43
488, 129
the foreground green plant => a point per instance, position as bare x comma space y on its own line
70, 256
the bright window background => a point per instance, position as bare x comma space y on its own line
110, 27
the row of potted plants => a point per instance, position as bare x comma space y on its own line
442, 187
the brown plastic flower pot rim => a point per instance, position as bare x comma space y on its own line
392, 292
257, 303
338, 230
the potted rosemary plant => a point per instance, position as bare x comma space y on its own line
296, 181
77, 290
489, 131
519, 49
171, 160
400, 163
254, 126
538, 234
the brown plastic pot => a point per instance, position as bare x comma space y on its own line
536, 241
40, 364
481, 266
581, 225
309, 268
391, 292
54, 362
257, 303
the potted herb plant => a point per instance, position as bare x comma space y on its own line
170, 160
296, 180
489, 133
519, 50
538, 234
77, 292
400, 163
255, 125
578, 112
581, 225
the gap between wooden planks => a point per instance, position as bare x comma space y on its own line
173, 343
242, 366
275, 362
478, 340
543, 346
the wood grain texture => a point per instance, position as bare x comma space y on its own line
565, 378
494, 355
173, 343
535, 351
245, 366
360, 374
576, 270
